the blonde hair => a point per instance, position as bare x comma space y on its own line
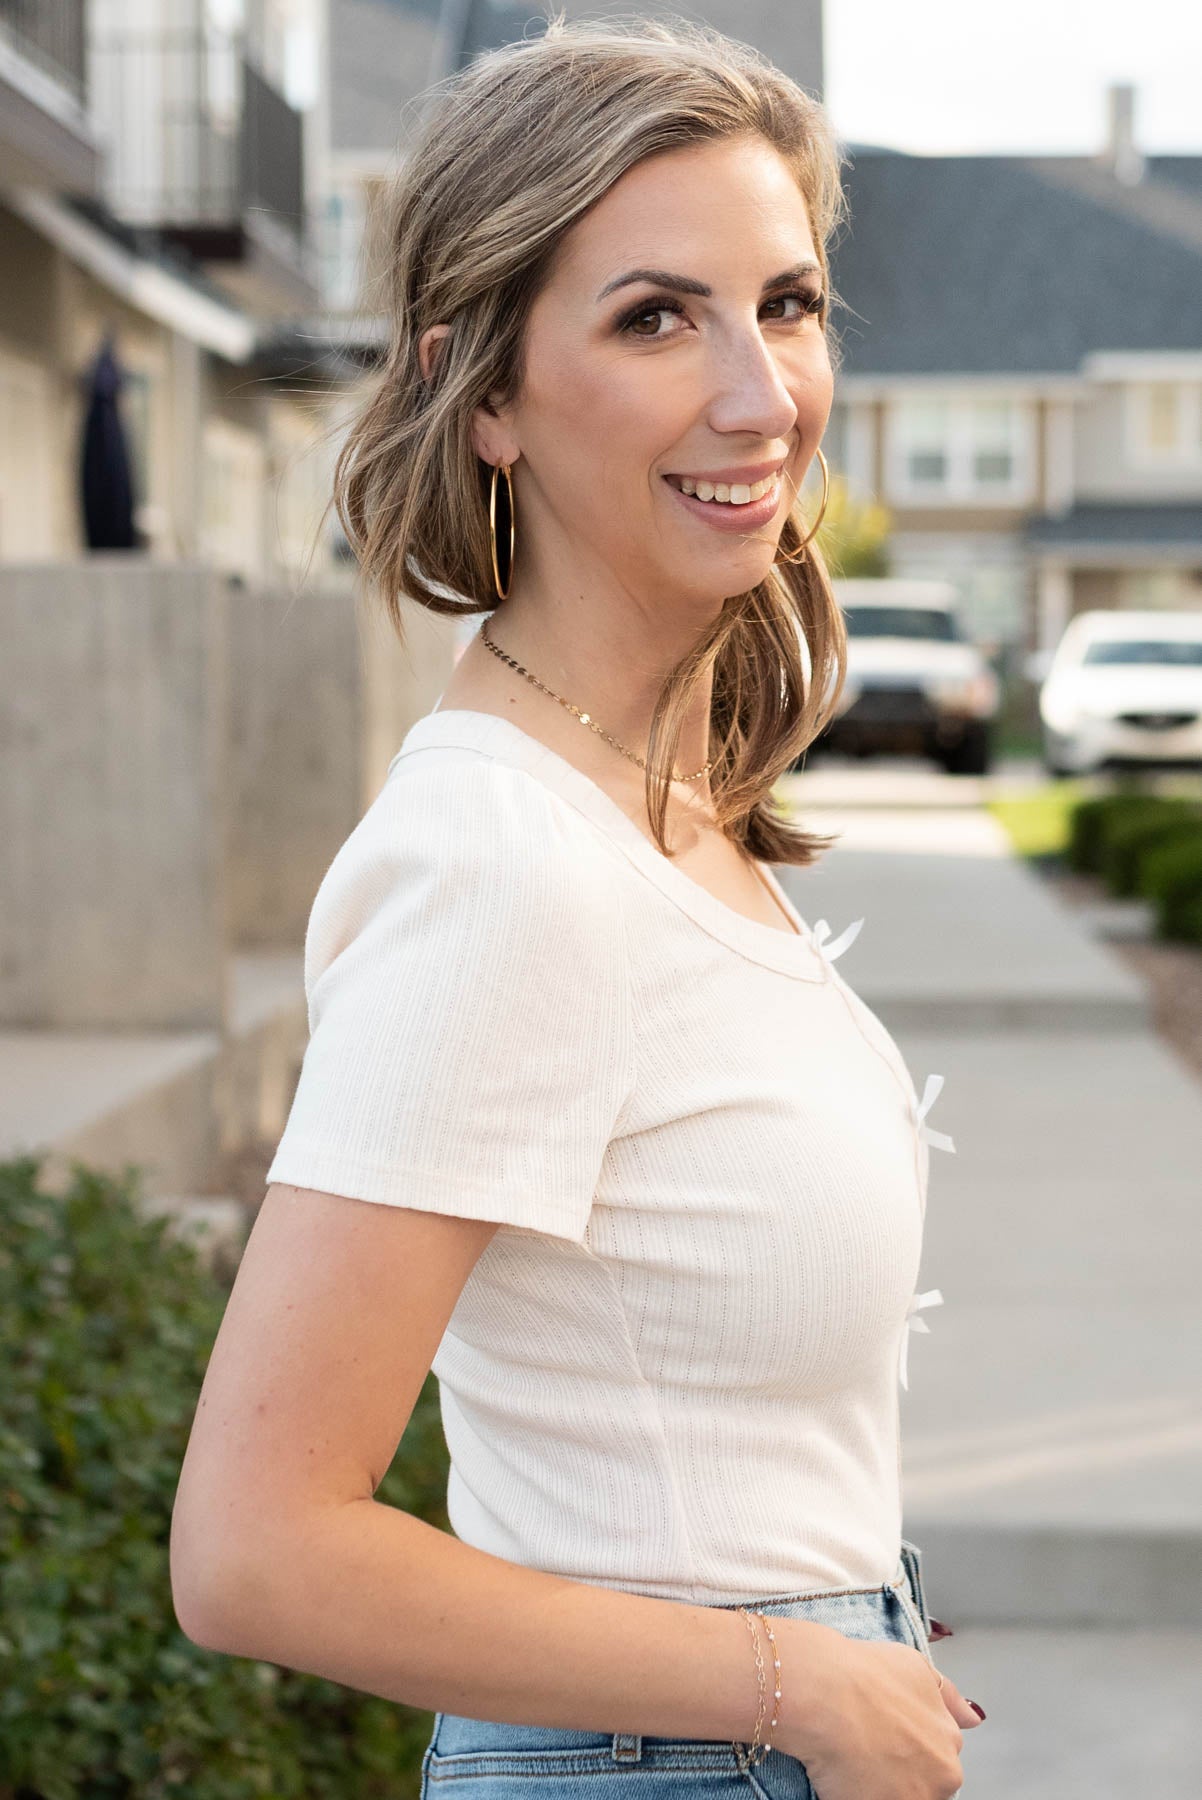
514, 149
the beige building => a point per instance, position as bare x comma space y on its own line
185, 231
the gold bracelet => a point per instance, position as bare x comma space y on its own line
757, 1753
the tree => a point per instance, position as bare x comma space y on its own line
854, 535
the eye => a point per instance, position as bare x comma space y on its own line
812, 300
808, 305
630, 321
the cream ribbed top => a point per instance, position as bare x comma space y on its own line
675, 1368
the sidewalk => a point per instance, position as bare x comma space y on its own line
1052, 1430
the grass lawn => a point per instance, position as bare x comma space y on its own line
1037, 819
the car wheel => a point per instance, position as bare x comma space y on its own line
973, 755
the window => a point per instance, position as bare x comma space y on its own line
1165, 423
1181, 653
959, 449
926, 438
990, 423
927, 623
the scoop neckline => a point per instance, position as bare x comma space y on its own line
792, 953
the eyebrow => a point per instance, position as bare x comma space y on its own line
685, 284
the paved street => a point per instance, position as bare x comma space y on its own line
1053, 1423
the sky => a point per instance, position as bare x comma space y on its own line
1018, 76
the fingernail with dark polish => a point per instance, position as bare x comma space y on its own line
940, 1630
977, 1709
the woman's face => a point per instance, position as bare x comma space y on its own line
677, 342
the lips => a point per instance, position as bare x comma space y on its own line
746, 474
691, 484
730, 516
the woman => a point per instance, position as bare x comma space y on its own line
644, 1178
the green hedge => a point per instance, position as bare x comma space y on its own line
1127, 836
107, 1319
1182, 919
1172, 879
1091, 822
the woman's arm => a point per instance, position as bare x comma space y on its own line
280, 1552
374, 1599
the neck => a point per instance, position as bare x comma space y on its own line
611, 673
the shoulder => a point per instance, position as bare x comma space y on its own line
464, 851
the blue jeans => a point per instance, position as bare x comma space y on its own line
475, 1759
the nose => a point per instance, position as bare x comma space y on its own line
755, 386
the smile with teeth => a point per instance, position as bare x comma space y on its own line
736, 494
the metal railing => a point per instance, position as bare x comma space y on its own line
50, 35
271, 151
197, 135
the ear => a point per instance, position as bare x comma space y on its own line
492, 435
429, 349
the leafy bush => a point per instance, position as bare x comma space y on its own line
1091, 822
1128, 835
1183, 918
1172, 878
107, 1319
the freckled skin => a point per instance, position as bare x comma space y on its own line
605, 415
615, 577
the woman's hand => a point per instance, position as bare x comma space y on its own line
879, 1726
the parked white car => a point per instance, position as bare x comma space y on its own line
1123, 687
916, 683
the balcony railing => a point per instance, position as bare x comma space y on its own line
50, 35
197, 137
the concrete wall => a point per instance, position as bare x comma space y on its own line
321, 694
180, 757
112, 772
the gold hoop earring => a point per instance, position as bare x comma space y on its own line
502, 592
800, 555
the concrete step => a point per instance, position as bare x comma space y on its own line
1067, 1576
1052, 1429
178, 1104
1104, 1713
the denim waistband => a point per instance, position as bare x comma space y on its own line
908, 1574
907, 1584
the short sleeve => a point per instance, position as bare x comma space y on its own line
470, 1047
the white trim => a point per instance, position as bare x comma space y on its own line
41, 88
152, 290
1019, 386
1143, 365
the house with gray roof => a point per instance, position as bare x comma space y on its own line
1021, 374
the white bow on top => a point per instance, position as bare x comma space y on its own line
822, 931
930, 1093
932, 1297
939, 1140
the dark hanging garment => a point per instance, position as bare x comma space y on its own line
106, 486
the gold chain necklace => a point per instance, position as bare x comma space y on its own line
585, 718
